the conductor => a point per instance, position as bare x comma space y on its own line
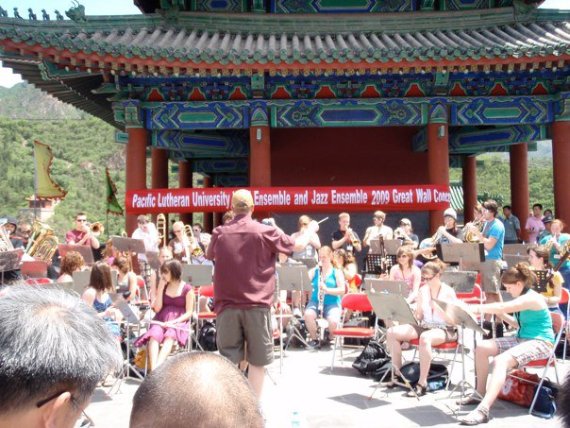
244, 284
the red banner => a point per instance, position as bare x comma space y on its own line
293, 199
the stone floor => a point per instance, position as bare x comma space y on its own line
341, 398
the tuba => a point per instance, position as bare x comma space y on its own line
43, 242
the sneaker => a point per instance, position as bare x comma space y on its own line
297, 313
313, 345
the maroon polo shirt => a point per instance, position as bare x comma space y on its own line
244, 251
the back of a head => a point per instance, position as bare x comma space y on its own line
199, 389
49, 341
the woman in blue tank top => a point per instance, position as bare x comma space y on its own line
534, 340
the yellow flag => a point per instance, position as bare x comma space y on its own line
46, 188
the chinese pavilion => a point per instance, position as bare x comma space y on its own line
320, 92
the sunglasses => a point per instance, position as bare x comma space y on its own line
87, 422
427, 278
403, 256
81, 220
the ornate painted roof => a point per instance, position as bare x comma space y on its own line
205, 40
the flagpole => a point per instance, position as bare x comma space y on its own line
35, 183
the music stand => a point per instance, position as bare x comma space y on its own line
392, 307
460, 317
516, 249
466, 253
386, 286
375, 246
307, 261
391, 246
197, 275
513, 259
10, 260
85, 251
129, 245
541, 285
293, 278
460, 281
129, 317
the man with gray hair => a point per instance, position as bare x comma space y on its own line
198, 389
54, 350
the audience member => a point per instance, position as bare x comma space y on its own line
53, 352
199, 390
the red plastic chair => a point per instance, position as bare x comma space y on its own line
38, 281
476, 296
353, 302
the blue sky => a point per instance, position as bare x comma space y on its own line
121, 7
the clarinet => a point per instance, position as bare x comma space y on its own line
321, 294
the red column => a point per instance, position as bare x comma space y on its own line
259, 156
159, 174
208, 217
561, 171
135, 168
438, 164
519, 184
185, 182
469, 187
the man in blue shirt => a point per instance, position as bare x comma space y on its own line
492, 237
512, 226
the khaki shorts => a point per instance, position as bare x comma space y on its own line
491, 276
450, 332
237, 326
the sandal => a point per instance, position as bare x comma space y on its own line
390, 384
470, 400
476, 417
417, 391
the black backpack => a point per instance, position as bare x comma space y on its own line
207, 336
371, 359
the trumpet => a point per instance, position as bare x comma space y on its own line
353, 238
97, 228
161, 227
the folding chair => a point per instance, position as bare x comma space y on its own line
444, 347
352, 302
202, 291
564, 298
558, 327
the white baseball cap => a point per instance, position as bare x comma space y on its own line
450, 212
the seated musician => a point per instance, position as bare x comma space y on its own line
533, 341
173, 306
72, 262
127, 279
405, 232
328, 282
344, 260
97, 296
377, 229
405, 270
538, 258
433, 329
447, 233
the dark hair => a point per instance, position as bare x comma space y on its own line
199, 225
491, 205
228, 216
71, 262
100, 278
173, 267
507, 207
521, 272
50, 342
195, 389
537, 205
347, 256
122, 263
80, 213
542, 253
